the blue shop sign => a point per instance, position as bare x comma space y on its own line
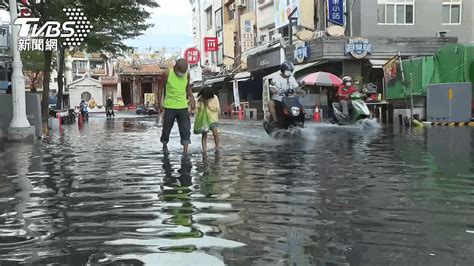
301, 52
358, 48
336, 12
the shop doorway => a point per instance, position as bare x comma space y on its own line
147, 88
126, 94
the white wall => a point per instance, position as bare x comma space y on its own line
265, 19
75, 94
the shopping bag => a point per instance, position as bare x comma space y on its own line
202, 122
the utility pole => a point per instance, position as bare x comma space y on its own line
237, 48
290, 24
20, 128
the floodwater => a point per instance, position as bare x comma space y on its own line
105, 194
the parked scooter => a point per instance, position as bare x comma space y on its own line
358, 110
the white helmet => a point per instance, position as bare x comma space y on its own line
346, 79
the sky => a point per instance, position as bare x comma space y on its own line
172, 27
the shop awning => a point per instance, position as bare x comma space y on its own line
378, 63
242, 76
297, 68
214, 80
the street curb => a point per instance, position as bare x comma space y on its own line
455, 124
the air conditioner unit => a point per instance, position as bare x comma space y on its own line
232, 6
276, 37
241, 3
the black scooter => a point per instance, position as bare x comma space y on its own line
290, 117
109, 112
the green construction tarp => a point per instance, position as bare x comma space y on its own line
451, 63
417, 72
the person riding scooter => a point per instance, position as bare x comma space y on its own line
344, 92
109, 107
280, 86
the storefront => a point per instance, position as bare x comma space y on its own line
360, 58
260, 65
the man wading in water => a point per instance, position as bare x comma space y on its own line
177, 93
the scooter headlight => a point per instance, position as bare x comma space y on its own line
295, 111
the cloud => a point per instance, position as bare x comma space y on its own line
172, 26
177, 8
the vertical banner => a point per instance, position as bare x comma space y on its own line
247, 34
282, 9
236, 93
390, 69
336, 12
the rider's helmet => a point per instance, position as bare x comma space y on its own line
347, 81
287, 68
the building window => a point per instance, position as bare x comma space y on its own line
396, 12
79, 66
86, 96
251, 5
220, 55
209, 17
213, 58
219, 19
270, 35
452, 12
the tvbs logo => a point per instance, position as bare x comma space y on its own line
44, 37
29, 28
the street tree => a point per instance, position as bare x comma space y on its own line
113, 22
33, 62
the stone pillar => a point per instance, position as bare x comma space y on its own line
20, 129
139, 93
119, 88
68, 67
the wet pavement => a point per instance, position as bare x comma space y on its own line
105, 194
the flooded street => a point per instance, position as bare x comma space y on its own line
341, 196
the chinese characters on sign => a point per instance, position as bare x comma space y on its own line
248, 36
37, 45
358, 48
336, 12
192, 56
210, 44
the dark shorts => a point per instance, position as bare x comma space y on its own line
184, 125
214, 125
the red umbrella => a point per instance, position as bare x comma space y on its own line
322, 79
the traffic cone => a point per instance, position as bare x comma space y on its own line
241, 113
316, 115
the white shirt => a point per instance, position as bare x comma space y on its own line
282, 85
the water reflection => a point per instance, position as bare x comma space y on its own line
340, 196
176, 191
